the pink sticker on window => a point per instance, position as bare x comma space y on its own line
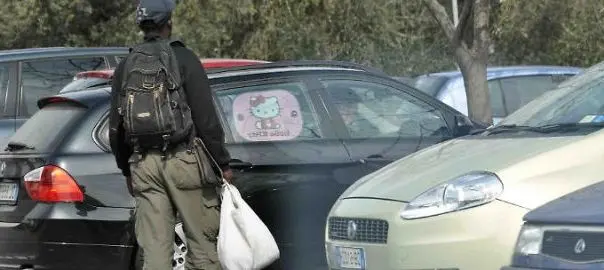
272, 115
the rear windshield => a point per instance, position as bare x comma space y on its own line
430, 85
47, 127
84, 84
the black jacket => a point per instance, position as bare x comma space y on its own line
197, 88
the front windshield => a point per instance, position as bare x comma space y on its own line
577, 100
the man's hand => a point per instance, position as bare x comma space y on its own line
227, 173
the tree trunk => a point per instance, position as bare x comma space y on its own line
474, 71
470, 41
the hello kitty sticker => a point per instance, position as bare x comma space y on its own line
272, 115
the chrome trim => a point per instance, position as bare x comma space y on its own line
579, 228
11, 266
104, 119
9, 224
86, 244
274, 70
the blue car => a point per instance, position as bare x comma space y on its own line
511, 87
565, 234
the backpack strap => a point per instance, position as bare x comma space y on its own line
176, 41
179, 85
181, 91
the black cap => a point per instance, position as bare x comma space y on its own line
157, 11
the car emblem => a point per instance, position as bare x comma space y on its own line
351, 231
580, 246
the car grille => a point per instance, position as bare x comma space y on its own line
367, 230
566, 245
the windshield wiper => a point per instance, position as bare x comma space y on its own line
568, 126
509, 128
16, 146
562, 127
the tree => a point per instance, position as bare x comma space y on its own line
469, 40
399, 37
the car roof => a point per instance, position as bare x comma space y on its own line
90, 95
44, 52
504, 71
262, 67
298, 65
208, 63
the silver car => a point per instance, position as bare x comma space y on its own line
511, 87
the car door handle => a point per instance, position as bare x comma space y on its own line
237, 163
374, 157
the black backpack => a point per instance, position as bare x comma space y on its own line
153, 103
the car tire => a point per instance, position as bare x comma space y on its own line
180, 250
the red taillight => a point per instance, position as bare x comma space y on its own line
52, 184
101, 74
58, 99
210, 63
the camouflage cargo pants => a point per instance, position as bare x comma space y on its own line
163, 187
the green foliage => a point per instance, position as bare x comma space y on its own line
561, 32
41, 23
400, 37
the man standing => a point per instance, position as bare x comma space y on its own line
160, 102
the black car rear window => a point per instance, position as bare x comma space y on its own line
430, 85
47, 127
85, 84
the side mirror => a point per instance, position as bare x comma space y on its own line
463, 126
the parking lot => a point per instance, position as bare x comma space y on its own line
371, 135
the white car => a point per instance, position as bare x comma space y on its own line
460, 204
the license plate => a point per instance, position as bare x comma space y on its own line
8, 193
350, 258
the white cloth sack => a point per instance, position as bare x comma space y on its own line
244, 241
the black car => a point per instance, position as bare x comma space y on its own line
64, 204
29, 74
564, 234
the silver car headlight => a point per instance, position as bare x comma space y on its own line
529, 240
469, 190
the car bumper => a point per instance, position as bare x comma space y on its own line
64, 237
517, 268
487, 232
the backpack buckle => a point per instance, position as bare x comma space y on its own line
165, 146
148, 85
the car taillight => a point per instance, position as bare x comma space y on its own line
94, 74
42, 102
52, 184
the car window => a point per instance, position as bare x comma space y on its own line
47, 77
559, 78
4, 73
518, 91
102, 134
374, 110
269, 112
60, 117
85, 84
579, 99
431, 85
496, 96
